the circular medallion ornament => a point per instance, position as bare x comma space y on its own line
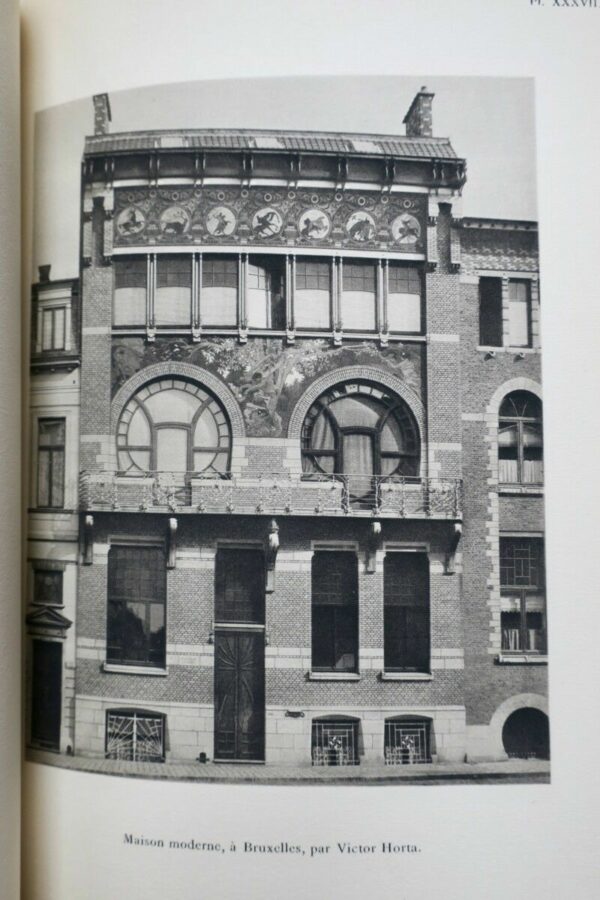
174, 220
131, 221
406, 229
266, 223
220, 221
314, 224
361, 227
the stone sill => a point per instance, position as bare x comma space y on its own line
134, 670
515, 350
522, 659
519, 489
333, 676
405, 676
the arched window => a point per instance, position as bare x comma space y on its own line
172, 425
408, 740
362, 430
520, 450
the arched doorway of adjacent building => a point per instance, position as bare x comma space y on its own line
526, 734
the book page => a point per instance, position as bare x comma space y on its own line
287, 545
10, 439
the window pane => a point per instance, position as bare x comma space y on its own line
312, 302
518, 315
47, 329
136, 605
521, 562
172, 449
58, 342
358, 297
404, 312
172, 301
130, 292
52, 432
334, 611
490, 312
240, 586
58, 478
406, 611
47, 587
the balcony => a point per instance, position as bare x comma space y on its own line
276, 494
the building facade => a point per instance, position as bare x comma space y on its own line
308, 440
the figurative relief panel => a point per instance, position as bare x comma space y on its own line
266, 377
281, 217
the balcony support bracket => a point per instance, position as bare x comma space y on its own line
450, 560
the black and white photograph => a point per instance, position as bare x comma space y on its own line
286, 493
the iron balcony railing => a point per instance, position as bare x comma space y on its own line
277, 493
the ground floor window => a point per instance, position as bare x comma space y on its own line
135, 735
526, 734
335, 742
407, 741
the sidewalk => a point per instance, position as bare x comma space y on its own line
514, 771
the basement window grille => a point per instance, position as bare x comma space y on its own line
135, 736
335, 742
407, 742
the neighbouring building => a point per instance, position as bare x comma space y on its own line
287, 483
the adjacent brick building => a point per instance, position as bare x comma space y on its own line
308, 438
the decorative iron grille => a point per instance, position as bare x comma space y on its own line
335, 742
133, 736
407, 742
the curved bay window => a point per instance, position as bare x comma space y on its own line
361, 431
520, 448
173, 425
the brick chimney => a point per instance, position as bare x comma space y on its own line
102, 114
44, 274
419, 119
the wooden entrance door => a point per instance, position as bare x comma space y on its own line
239, 695
46, 694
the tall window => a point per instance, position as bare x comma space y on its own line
135, 632
240, 586
173, 425
51, 463
490, 312
360, 430
519, 314
335, 611
265, 293
218, 298
522, 616
359, 295
129, 302
312, 299
53, 328
173, 295
520, 447
406, 612
404, 298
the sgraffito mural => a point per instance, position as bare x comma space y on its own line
277, 218
266, 377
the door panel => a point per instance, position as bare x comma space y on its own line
239, 695
46, 694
